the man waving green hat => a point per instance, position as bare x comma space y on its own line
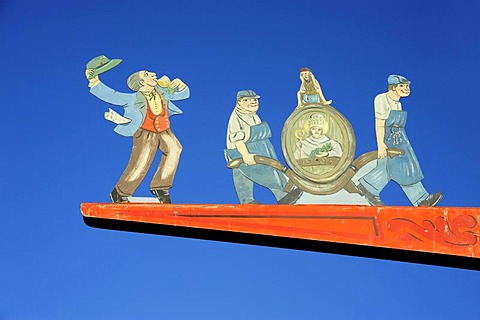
101, 64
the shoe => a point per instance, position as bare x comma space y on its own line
432, 200
162, 195
372, 199
117, 198
291, 197
253, 202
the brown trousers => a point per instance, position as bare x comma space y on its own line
145, 146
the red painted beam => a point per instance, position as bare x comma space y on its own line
446, 232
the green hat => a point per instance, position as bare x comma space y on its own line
101, 64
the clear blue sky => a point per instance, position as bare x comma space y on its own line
58, 151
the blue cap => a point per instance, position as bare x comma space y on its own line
396, 79
247, 94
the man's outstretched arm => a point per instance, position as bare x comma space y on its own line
107, 94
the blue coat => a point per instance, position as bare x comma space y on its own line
135, 105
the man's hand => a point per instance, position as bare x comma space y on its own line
177, 84
382, 151
93, 80
248, 159
321, 154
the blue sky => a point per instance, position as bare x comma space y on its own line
58, 151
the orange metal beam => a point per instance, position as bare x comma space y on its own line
438, 236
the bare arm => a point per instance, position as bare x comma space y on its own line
246, 156
299, 99
380, 131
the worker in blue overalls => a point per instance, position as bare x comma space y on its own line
247, 136
404, 169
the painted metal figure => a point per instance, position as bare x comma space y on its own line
314, 142
390, 120
310, 91
149, 109
248, 136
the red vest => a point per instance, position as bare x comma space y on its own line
155, 123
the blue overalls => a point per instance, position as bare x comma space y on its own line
403, 169
245, 176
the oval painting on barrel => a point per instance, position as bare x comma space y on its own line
318, 143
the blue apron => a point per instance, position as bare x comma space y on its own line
259, 144
404, 169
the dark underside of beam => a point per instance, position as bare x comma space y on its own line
288, 243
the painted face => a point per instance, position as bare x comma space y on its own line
250, 104
305, 75
402, 89
149, 78
316, 131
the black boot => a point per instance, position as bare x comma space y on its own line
291, 197
432, 200
371, 198
117, 198
162, 195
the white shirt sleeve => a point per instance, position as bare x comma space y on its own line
382, 108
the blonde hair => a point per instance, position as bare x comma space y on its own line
310, 85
